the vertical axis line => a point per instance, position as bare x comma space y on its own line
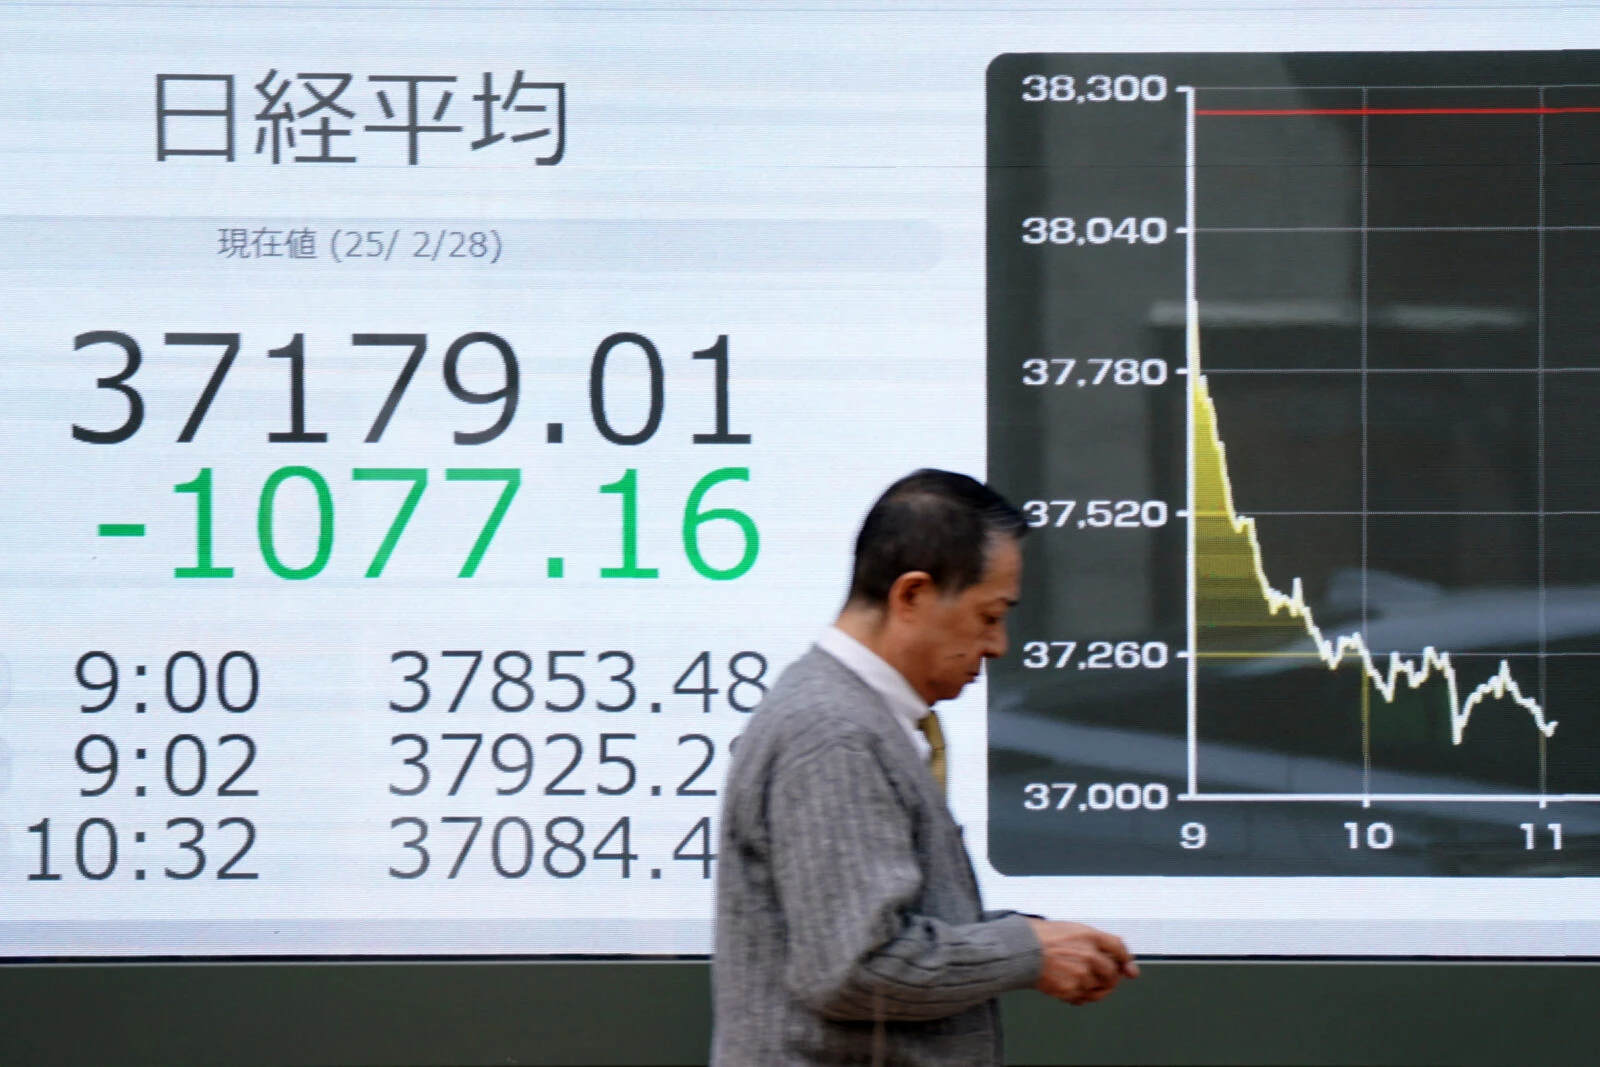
1191, 344
1544, 661
1366, 709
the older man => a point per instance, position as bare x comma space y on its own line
849, 928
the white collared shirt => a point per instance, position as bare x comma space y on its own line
906, 704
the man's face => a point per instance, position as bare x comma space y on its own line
952, 635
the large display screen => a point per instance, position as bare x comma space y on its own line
426, 439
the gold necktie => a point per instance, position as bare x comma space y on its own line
929, 725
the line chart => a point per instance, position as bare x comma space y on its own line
1225, 551
1222, 535
1342, 615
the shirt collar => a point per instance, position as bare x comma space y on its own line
904, 701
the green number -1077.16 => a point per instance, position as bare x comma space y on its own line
695, 516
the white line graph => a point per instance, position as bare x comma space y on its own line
1207, 458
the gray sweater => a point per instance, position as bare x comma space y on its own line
849, 929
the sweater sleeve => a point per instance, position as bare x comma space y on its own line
847, 876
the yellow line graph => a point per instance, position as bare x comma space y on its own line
1232, 589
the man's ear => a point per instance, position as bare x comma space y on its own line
908, 593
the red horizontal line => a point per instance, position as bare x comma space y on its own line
1250, 112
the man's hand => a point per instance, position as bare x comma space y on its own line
1081, 964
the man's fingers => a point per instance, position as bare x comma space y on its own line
1101, 968
1072, 994
1108, 984
1091, 994
1085, 965
1071, 979
1113, 946
1067, 991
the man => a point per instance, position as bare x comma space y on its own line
849, 928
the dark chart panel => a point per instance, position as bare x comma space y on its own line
1293, 360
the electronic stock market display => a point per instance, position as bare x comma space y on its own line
1335, 315
426, 443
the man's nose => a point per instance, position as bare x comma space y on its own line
995, 647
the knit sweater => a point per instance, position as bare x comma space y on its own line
849, 929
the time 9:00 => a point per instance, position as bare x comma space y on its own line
187, 683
